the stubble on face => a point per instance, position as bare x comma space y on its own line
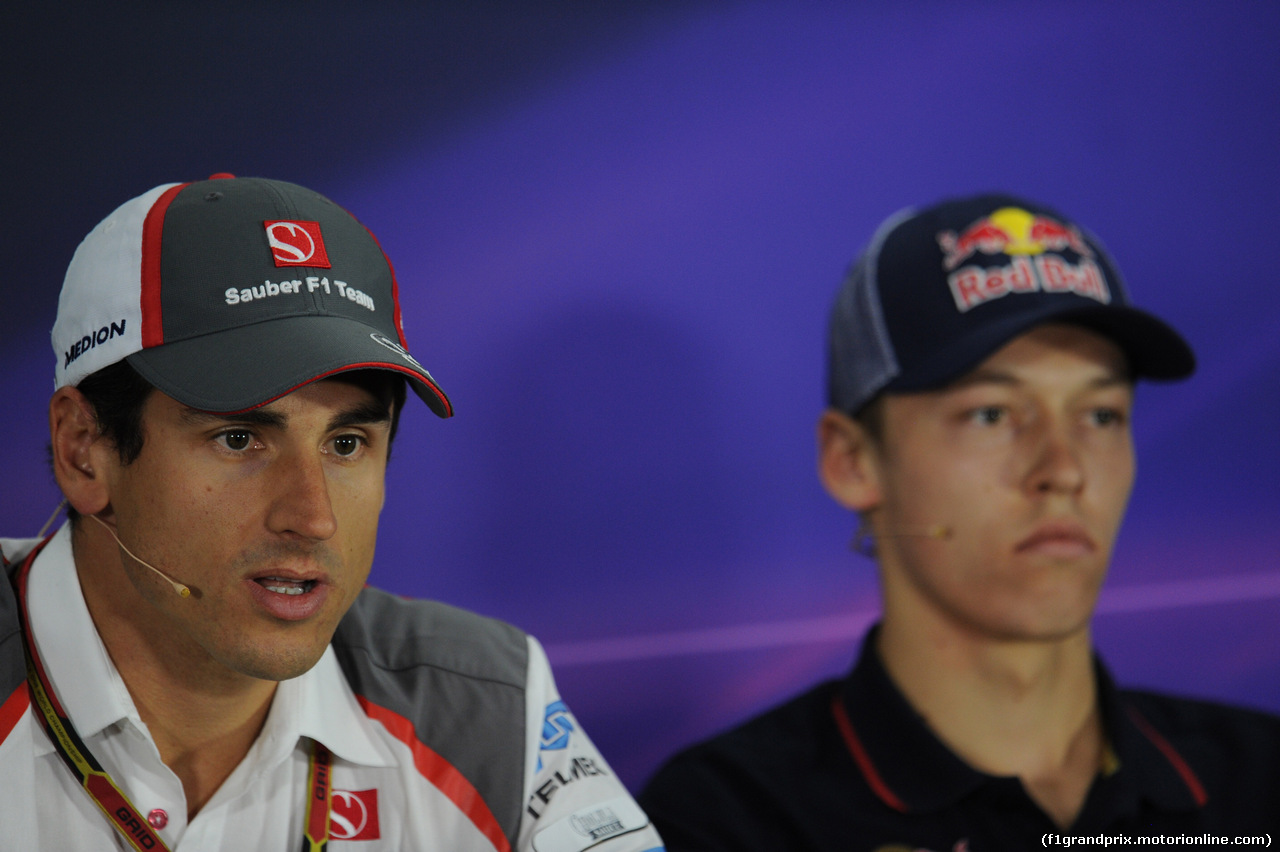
221, 521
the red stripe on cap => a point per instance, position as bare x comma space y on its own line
1171, 754
863, 759
395, 301
442, 774
152, 232
13, 708
395, 292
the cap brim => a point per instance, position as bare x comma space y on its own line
1153, 349
243, 368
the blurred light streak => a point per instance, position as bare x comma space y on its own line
849, 627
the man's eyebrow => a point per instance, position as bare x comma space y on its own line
983, 377
365, 414
1112, 379
253, 417
362, 414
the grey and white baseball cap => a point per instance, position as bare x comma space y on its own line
229, 293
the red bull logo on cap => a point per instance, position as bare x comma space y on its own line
1028, 240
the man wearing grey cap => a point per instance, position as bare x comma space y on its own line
982, 360
194, 660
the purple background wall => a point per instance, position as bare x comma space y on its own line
618, 228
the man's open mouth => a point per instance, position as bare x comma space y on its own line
282, 586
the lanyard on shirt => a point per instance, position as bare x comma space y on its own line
98, 784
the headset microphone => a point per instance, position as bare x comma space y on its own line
864, 541
938, 531
182, 590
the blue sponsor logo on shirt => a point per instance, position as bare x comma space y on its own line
557, 727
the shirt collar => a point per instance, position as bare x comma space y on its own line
1150, 765
908, 766
85, 680
318, 704
321, 705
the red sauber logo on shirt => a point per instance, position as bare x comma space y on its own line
296, 243
354, 815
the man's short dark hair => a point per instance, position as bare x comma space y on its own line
118, 393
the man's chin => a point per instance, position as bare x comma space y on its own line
279, 664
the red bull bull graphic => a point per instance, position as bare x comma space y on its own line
1010, 230
1028, 240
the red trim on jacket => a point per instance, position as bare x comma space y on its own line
13, 708
442, 774
863, 759
20, 699
1171, 754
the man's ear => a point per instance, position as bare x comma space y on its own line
80, 454
848, 461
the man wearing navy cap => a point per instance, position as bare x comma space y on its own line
982, 359
194, 661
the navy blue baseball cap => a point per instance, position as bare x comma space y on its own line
940, 289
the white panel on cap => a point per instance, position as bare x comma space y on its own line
100, 307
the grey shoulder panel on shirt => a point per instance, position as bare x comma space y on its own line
13, 663
458, 677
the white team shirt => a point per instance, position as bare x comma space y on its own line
387, 794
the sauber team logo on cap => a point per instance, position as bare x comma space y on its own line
296, 243
1030, 242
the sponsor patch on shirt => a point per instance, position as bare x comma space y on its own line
557, 729
557, 726
354, 815
590, 826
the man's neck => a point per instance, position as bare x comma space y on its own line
1025, 709
203, 717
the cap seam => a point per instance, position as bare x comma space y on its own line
876, 308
